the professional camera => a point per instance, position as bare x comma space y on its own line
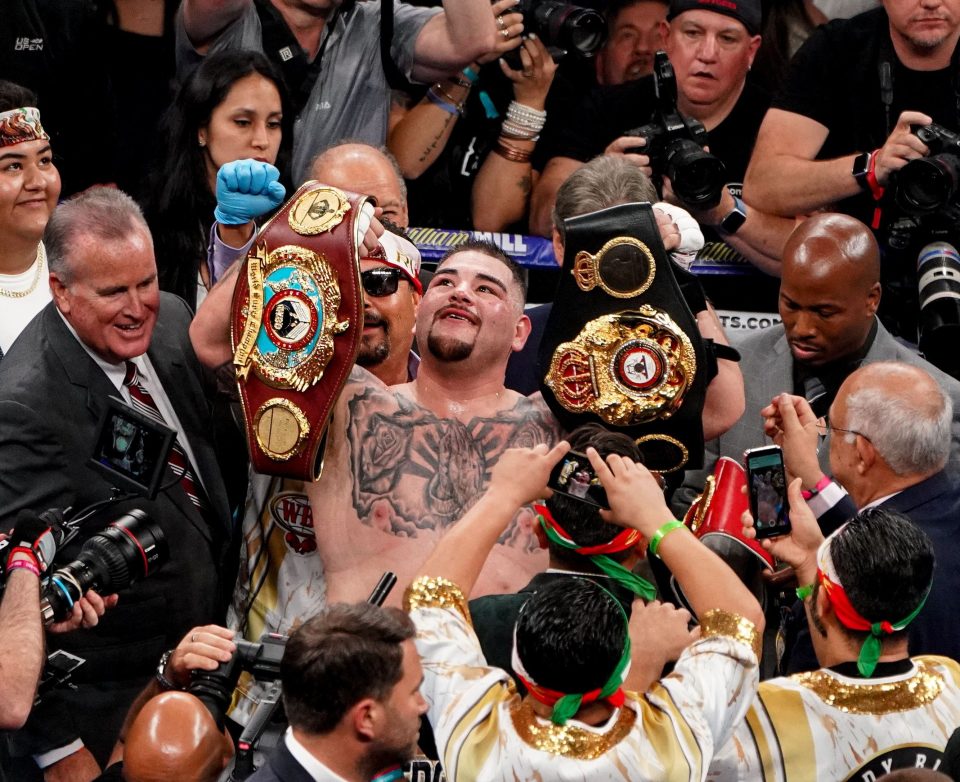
128, 550
563, 27
929, 184
261, 660
675, 145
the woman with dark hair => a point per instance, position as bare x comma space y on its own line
29, 188
232, 107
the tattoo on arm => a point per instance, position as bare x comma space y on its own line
524, 184
436, 139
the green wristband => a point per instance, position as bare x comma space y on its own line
804, 592
661, 533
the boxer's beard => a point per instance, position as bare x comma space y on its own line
448, 349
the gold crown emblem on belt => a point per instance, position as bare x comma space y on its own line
628, 368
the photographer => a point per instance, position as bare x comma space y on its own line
326, 49
170, 734
841, 126
711, 48
22, 648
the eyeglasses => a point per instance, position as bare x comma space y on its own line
380, 282
824, 427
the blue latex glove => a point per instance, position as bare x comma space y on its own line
246, 189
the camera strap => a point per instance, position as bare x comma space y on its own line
285, 51
886, 58
391, 70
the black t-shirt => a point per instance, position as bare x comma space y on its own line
834, 79
606, 113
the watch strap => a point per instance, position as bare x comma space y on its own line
162, 680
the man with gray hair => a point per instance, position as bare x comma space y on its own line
109, 332
890, 428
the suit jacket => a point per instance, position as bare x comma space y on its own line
51, 397
767, 366
934, 506
281, 766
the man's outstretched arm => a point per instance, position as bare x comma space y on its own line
518, 478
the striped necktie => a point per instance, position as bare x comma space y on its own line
142, 401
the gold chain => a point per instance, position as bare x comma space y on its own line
40, 262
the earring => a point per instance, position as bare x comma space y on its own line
202, 142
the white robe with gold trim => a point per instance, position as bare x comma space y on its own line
484, 732
825, 726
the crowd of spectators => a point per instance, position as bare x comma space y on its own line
145, 149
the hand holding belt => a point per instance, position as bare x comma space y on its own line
296, 328
621, 346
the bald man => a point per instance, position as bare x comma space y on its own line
175, 737
365, 169
829, 294
890, 439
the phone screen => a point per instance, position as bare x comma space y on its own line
768, 492
575, 477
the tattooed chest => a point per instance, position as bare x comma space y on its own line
414, 472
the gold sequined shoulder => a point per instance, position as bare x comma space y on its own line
569, 741
426, 592
923, 687
718, 622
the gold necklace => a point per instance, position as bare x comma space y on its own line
40, 262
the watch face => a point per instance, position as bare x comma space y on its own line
861, 164
734, 220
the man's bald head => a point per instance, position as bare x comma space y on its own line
833, 245
368, 170
175, 737
830, 288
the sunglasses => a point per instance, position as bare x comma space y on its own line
380, 282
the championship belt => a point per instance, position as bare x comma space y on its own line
296, 328
621, 346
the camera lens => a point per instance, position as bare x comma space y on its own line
938, 270
128, 550
568, 27
928, 184
697, 176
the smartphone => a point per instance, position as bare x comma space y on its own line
574, 476
767, 486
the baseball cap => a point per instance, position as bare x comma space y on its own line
400, 253
747, 12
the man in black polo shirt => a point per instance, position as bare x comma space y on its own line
841, 125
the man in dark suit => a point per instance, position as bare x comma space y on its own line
891, 426
108, 315
829, 294
351, 681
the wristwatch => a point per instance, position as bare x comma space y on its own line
735, 218
861, 167
162, 680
